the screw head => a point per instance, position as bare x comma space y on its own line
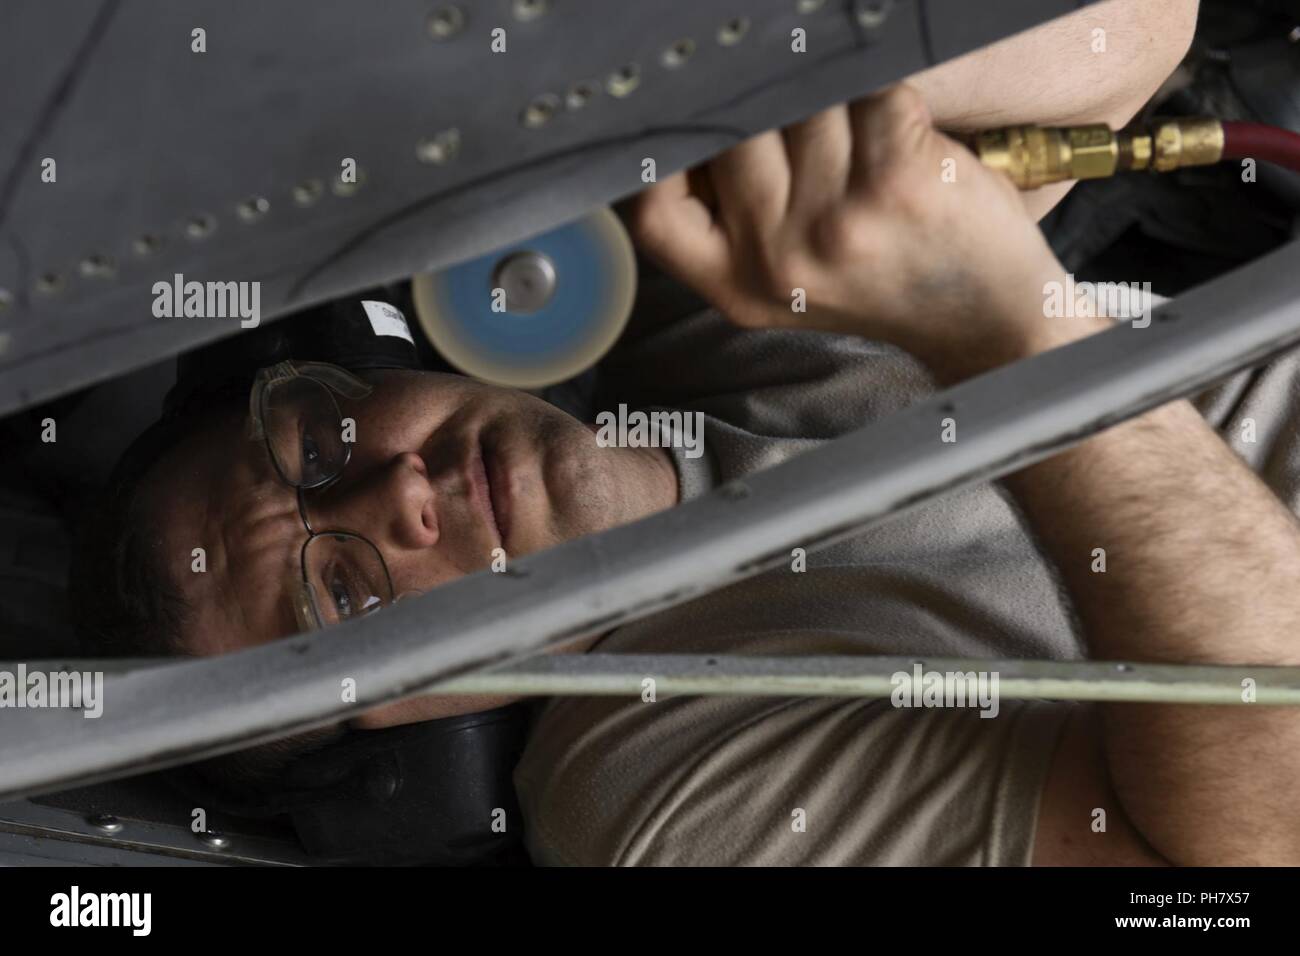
676, 55
623, 81
446, 22
439, 149
580, 94
200, 227
146, 245
340, 188
253, 208
97, 267
214, 841
733, 31
525, 10
105, 822
49, 283
540, 111
308, 191
873, 13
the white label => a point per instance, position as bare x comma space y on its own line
386, 320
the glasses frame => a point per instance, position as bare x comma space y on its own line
336, 381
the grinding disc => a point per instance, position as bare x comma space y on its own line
535, 313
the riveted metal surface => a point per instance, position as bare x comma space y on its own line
153, 138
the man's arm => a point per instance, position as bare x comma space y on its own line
1100, 64
1204, 564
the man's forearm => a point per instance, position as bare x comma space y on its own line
1202, 565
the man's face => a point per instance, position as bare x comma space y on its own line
443, 471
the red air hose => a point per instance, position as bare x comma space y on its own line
1272, 144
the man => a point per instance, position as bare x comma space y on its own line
850, 208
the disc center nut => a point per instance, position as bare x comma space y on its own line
528, 280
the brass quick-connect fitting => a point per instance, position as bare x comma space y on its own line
1033, 156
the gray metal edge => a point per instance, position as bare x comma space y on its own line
1007, 419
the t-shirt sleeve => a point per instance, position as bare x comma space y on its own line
784, 781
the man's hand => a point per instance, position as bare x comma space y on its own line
852, 207
891, 230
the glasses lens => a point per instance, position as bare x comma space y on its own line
304, 432
346, 577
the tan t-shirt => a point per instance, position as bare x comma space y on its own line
716, 780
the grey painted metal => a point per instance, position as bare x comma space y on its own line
1007, 419
225, 165
621, 675
66, 836
842, 676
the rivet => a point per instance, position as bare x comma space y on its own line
446, 22
810, 6
97, 267
308, 191
1123, 668
525, 10
200, 227
733, 31
146, 245
49, 283
677, 54
440, 148
580, 94
340, 188
253, 208
214, 841
539, 111
105, 822
873, 13
624, 81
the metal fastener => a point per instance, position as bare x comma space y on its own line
539, 111
341, 188
200, 227
105, 822
146, 245
871, 14
677, 54
624, 81
97, 267
525, 10
440, 148
308, 191
49, 283
253, 208
733, 31
580, 94
446, 22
